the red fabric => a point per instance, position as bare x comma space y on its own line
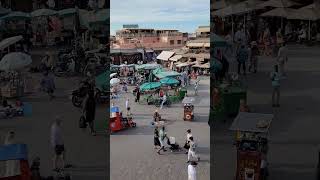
25, 170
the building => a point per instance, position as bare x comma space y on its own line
130, 38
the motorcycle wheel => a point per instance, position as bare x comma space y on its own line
75, 101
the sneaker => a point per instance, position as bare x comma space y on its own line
158, 152
187, 161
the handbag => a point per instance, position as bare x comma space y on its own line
82, 122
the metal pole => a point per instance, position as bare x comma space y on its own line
309, 30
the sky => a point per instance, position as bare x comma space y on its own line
184, 15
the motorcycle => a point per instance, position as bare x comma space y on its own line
79, 94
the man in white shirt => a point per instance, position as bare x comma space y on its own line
192, 150
189, 134
192, 172
164, 99
57, 144
127, 103
282, 58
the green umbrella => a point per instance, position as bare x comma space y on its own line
165, 74
102, 80
43, 12
169, 81
150, 86
218, 41
157, 71
67, 12
16, 15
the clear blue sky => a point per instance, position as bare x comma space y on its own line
184, 15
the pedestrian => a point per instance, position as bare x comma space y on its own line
192, 172
162, 136
47, 83
282, 58
57, 143
275, 78
156, 138
187, 143
192, 150
254, 57
196, 84
242, 57
138, 95
12, 166
164, 99
127, 104
229, 41
89, 110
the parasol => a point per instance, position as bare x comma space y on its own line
15, 61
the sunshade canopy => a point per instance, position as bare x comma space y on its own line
165, 55
15, 61
167, 74
43, 12
238, 8
169, 81
16, 15
249, 122
175, 58
9, 41
278, 3
281, 12
67, 12
102, 79
4, 11
150, 86
148, 66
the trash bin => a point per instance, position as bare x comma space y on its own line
231, 97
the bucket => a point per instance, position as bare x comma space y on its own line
27, 109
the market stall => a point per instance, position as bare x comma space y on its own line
13, 63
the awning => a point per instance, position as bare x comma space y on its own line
195, 44
197, 56
165, 55
9, 41
182, 64
206, 65
207, 45
175, 58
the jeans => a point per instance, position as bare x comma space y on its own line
276, 95
163, 101
243, 64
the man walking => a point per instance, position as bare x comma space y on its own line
58, 145
192, 172
242, 57
196, 84
47, 84
282, 58
187, 144
192, 150
89, 110
275, 78
164, 99
127, 104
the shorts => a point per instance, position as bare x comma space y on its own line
59, 149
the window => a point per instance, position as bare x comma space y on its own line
171, 42
179, 41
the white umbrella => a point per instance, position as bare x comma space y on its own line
9, 41
15, 61
43, 12
114, 81
280, 12
112, 75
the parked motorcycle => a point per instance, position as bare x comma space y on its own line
79, 94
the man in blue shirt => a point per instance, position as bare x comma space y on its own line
275, 79
242, 57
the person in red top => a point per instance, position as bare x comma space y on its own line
161, 93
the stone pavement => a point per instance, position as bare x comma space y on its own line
132, 152
294, 133
87, 153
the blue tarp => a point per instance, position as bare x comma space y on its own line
13, 152
115, 109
